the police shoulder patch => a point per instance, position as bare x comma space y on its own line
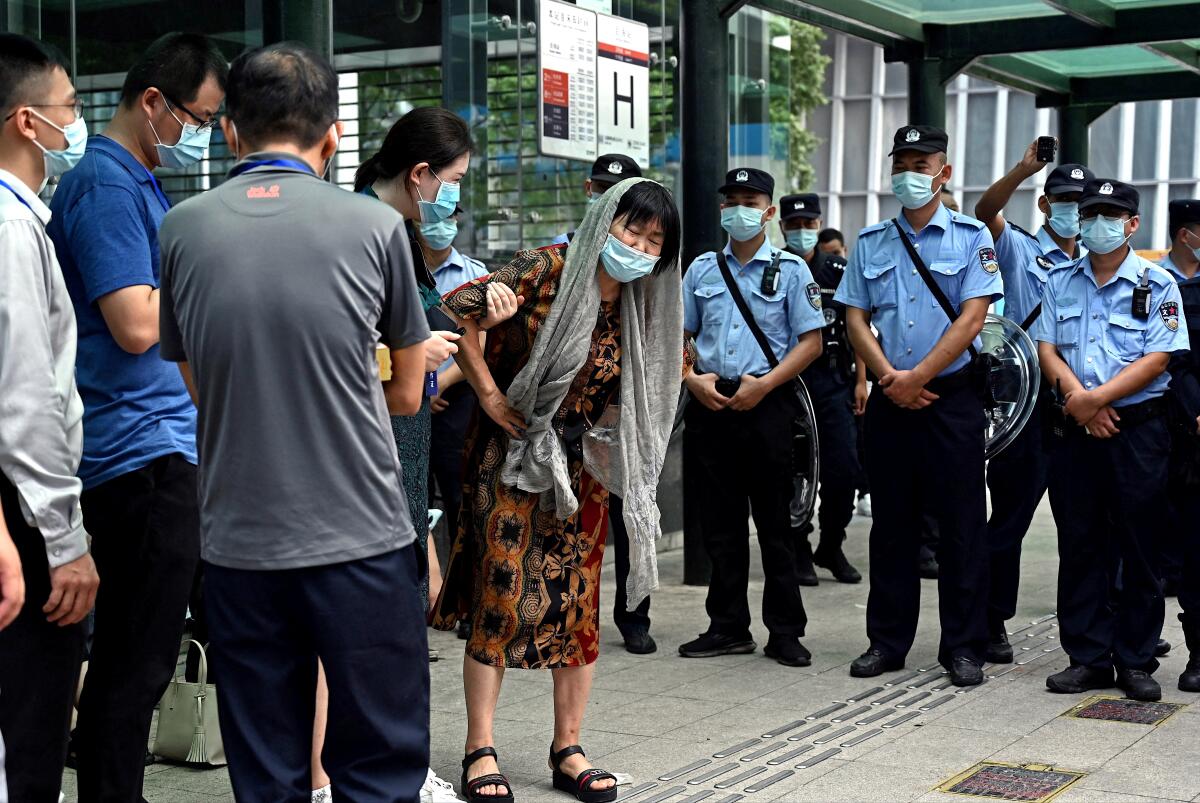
813, 290
987, 258
1169, 312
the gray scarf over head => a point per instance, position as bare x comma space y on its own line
625, 450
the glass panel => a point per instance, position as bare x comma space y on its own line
1105, 149
1185, 119
1097, 61
1021, 127
954, 11
856, 139
819, 123
895, 78
1145, 139
1145, 237
1022, 209
860, 63
981, 134
853, 217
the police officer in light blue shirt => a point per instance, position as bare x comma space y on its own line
736, 451
1017, 477
1109, 324
1183, 260
1183, 263
924, 420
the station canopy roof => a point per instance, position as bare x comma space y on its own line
1078, 52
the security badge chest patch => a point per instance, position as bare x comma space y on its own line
1169, 311
987, 258
1043, 262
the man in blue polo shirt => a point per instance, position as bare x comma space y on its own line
139, 460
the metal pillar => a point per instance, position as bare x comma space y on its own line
704, 142
307, 21
926, 93
1073, 122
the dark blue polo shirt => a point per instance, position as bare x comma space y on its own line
107, 211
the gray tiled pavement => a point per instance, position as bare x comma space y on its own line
650, 715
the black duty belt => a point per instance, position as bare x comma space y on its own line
951, 382
1134, 414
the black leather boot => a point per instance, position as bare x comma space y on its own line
1190, 679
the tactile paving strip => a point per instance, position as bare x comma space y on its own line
1030, 783
1120, 709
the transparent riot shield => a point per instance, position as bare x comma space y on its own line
1013, 381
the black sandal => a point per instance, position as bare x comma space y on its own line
581, 786
470, 789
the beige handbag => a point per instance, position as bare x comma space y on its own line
188, 728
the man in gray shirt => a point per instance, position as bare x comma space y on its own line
276, 289
41, 424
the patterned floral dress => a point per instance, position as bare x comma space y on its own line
528, 582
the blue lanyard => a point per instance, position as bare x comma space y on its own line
17, 195
292, 163
158, 190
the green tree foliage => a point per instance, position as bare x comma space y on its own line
797, 78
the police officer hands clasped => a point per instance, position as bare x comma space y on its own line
1017, 476
1109, 323
734, 453
924, 420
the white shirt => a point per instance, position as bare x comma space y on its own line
41, 414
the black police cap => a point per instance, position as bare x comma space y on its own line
1183, 211
1109, 192
1068, 178
749, 178
801, 205
923, 138
614, 167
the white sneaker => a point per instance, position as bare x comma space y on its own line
864, 506
435, 790
322, 795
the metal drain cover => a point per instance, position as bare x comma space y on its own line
1120, 709
1031, 782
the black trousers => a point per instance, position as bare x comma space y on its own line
1189, 586
364, 619
39, 666
1105, 494
928, 461
447, 446
741, 463
1017, 478
146, 543
840, 471
618, 536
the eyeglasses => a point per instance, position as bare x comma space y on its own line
77, 106
201, 123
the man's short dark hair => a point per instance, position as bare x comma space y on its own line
23, 62
176, 64
283, 92
829, 235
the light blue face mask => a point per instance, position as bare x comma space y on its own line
60, 161
624, 262
913, 190
1064, 218
1104, 234
442, 206
801, 241
440, 234
742, 222
594, 197
188, 150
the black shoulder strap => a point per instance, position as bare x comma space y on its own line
938, 295
1033, 316
743, 308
